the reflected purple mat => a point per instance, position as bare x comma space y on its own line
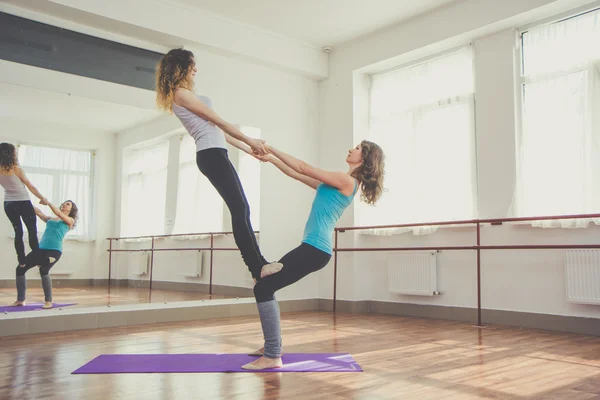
32, 307
186, 363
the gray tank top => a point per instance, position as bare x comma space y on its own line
204, 132
14, 189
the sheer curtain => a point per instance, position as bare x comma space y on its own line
145, 190
199, 205
558, 146
60, 175
422, 116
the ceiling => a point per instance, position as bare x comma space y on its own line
28, 105
316, 22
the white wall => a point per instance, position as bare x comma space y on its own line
284, 107
316, 122
530, 281
87, 259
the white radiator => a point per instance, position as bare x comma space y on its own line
582, 273
413, 273
193, 264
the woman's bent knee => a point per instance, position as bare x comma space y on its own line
262, 292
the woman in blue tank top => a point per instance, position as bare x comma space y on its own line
334, 193
49, 251
175, 74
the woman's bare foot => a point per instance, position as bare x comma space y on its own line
47, 305
261, 352
18, 303
264, 363
270, 269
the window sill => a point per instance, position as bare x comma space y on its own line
587, 223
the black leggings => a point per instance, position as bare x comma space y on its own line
42, 257
298, 263
15, 210
215, 165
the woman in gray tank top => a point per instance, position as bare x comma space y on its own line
17, 204
174, 84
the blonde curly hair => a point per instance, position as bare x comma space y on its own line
172, 73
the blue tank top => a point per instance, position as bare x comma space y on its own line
54, 234
327, 208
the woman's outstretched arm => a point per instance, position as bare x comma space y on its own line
187, 99
21, 175
242, 146
67, 220
40, 214
313, 183
339, 180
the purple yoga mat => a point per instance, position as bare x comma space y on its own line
32, 307
182, 363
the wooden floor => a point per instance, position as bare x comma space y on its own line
93, 296
403, 358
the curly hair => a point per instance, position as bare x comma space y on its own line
172, 73
371, 172
8, 158
74, 213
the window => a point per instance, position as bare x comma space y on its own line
145, 190
60, 175
423, 118
558, 146
199, 205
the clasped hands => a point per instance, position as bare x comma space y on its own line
260, 150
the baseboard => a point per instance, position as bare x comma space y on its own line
354, 307
462, 314
560, 323
197, 287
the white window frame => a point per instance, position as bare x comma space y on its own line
521, 80
125, 183
56, 174
441, 103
